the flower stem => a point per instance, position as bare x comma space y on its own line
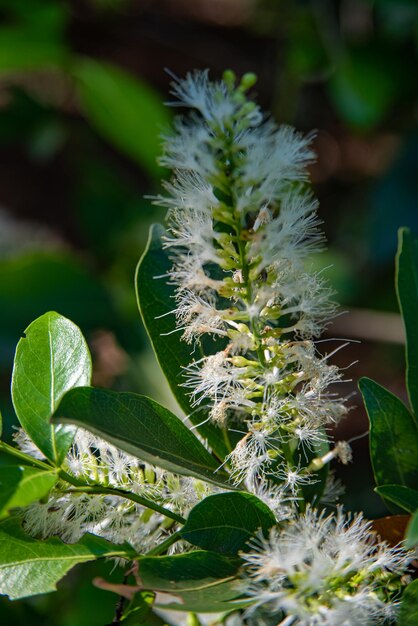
164, 545
26, 458
109, 491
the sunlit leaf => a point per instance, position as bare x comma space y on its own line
141, 427
51, 358
29, 566
19, 486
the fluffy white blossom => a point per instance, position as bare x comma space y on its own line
327, 571
69, 512
241, 223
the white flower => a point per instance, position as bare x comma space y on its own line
197, 315
322, 571
26, 445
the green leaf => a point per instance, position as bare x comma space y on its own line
141, 427
24, 49
125, 110
35, 282
411, 536
402, 496
393, 437
407, 291
408, 615
203, 581
50, 359
226, 521
139, 611
29, 566
19, 486
155, 301
362, 103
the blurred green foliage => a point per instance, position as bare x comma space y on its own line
81, 92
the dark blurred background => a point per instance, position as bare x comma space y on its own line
81, 90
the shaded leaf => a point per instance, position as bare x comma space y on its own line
50, 359
202, 581
25, 49
412, 531
125, 110
140, 613
155, 301
362, 103
393, 437
225, 522
407, 291
35, 282
405, 497
141, 427
19, 486
408, 615
29, 566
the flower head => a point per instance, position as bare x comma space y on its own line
241, 223
323, 571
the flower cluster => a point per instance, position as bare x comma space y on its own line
69, 512
323, 570
241, 223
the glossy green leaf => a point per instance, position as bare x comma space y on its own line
408, 615
407, 291
141, 427
411, 537
393, 437
402, 496
155, 301
226, 521
29, 566
203, 581
125, 110
19, 486
50, 359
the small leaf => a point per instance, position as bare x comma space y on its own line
50, 359
125, 110
407, 291
226, 521
408, 615
142, 428
155, 301
19, 486
139, 611
393, 437
412, 532
29, 566
402, 496
203, 581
